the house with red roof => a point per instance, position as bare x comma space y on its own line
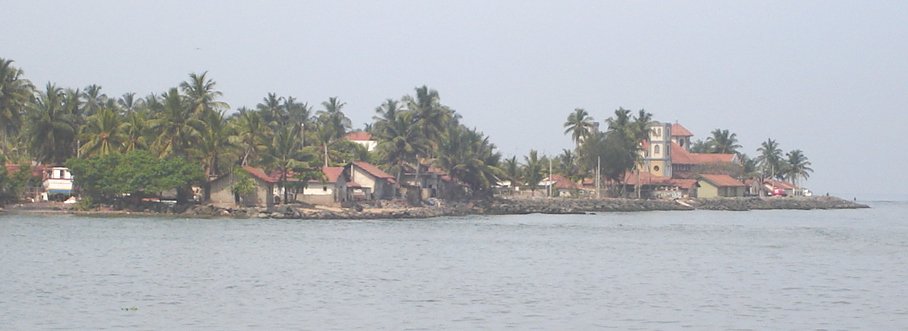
222, 189
368, 182
717, 185
560, 186
362, 138
434, 181
331, 189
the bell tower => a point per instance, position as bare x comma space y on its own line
657, 158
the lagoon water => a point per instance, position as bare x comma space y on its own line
843, 269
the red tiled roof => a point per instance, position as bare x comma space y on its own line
679, 130
332, 173
780, 184
563, 183
685, 183
373, 170
260, 174
630, 178
358, 136
723, 180
682, 156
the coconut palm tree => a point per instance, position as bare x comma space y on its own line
104, 133
214, 142
467, 156
333, 124
283, 154
723, 142
15, 95
532, 170
128, 102
175, 126
797, 166
298, 115
271, 110
430, 115
250, 133
50, 128
386, 114
580, 125
92, 100
770, 158
136, 130
201, 94
399, 142
512, 170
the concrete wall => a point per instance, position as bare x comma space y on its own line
221, 192
708, 190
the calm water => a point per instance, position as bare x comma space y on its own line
656, 270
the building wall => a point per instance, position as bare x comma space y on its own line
370, 145
707, 190
221, 192
658, 161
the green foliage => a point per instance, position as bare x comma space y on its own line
136, 173
243, 184
12, 186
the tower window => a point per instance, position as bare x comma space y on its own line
656, 150
655, 168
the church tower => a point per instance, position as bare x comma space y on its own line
657, 157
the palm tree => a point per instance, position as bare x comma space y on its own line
468, 156
250, 133
770, 158
15, 94
93, 100
128, 102
399, 142
284, 155
431, 117
640, 134
797, 166
723, 142
333, 123
385, 115
580, 125
512, 170
201, 93
104, 133
271, 110
214, 142
50, 130
298, 115
136, 131
175, 126
532, 170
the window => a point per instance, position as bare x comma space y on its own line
655, 168
656, 149
325, 188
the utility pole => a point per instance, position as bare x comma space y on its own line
598, 177
551, 180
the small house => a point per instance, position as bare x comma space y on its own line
368, 182
712, 186
330, 190
222, 189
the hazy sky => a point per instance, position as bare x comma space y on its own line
827, 77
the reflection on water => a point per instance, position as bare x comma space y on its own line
656, 270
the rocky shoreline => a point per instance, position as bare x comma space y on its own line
500, 206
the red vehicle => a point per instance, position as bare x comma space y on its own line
779, 192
